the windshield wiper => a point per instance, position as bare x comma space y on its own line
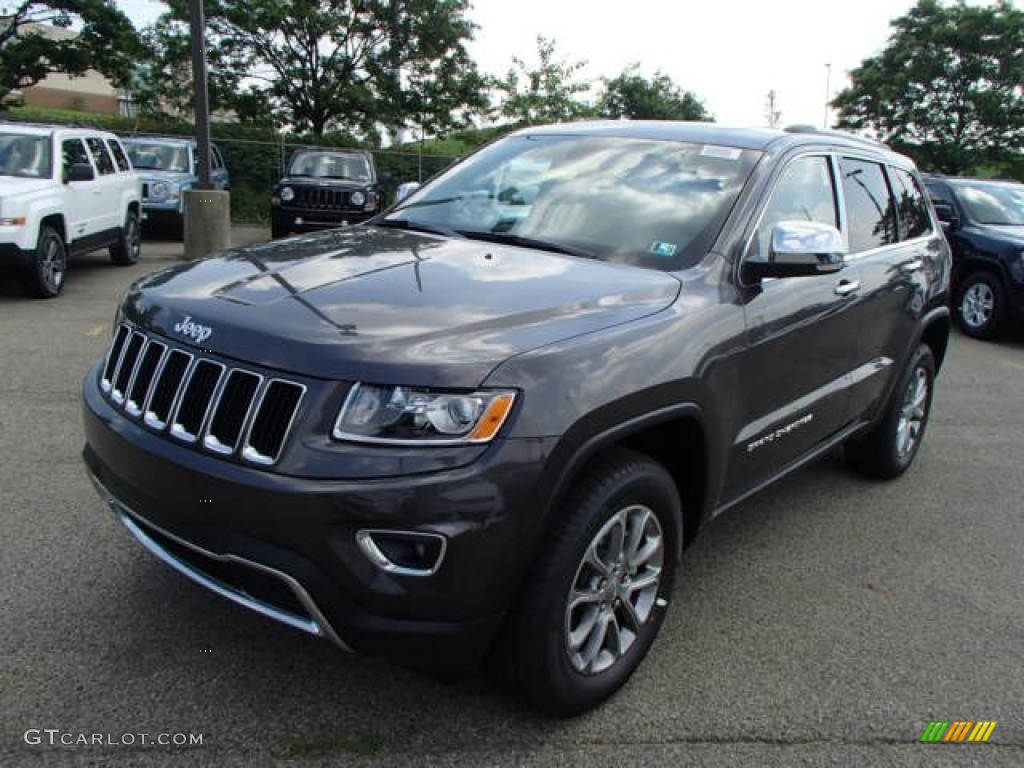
418, 226
508, 238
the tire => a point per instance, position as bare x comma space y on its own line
567, 654
278, 228
44, 277
129, 243
980, 305
888, 450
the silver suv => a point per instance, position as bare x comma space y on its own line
64, 192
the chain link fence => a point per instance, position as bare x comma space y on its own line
255, 165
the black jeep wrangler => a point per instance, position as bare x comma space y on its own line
487, 423
325, 188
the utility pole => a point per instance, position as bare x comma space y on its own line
197, 18
772, 113
207, 210
828, 83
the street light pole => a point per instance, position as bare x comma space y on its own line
207, 211
828, 84
202, 100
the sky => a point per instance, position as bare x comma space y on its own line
730, 53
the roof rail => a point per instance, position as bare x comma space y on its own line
813, 129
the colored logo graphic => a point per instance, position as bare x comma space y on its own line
958, 730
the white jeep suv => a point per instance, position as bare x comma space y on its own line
64, 191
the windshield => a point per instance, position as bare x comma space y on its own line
330, 165
649, 203
993, 203
24, 156
157, 156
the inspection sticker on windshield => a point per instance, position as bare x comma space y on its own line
723, 153
658, 248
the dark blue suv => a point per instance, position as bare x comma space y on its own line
984, 223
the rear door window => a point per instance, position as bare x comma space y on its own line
870, 209
104, 162
910, 205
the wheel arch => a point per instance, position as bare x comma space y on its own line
936, 334
675, 437
56, 221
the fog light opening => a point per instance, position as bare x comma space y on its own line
405, 553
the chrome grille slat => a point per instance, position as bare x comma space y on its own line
275, 412
196, 397
126, 367
114, 357
238, 394
199, 401
138, 389
167, 388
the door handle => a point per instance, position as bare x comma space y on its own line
846, 287
913, 266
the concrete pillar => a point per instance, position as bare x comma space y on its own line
207, 222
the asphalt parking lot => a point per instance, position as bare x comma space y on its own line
826, 621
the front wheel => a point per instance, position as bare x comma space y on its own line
599, 592
278, 228
129, 243
44, 277
980, 305
890, 447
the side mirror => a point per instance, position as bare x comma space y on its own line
800, 249
406, 189
384, 179
947, 215
79, 172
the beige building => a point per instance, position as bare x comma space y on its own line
91, 92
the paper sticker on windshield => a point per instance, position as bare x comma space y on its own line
658, 248
723, 153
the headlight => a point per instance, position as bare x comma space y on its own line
407, 416
12, 221
159, 189
357, 198
287, 194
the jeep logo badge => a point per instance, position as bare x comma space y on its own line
195, 331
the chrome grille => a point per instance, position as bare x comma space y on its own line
198, 400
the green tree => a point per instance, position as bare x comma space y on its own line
947, 87
632, 96
322, 65
548, 93
105, 41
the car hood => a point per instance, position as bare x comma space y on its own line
390, 306
15, 186
1011, 234
177, 177
320, 181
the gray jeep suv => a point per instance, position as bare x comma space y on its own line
488, 422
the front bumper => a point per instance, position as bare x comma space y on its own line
298, 219
12, 256
286, 546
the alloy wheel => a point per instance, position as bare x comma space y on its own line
615, 589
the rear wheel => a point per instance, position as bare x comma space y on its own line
598, 595
44, 277
980, 305
129, 244
890, 447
